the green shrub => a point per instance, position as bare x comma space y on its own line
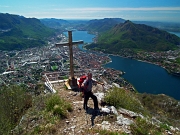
145, 127
58, 106
103, 132
58, 110
122, 98
14, 101
141, 127
52, 101
164, 126
68, 107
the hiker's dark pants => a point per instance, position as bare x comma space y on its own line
86, 98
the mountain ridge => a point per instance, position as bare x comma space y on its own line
102, 25
18, 32
136, 37
53, 22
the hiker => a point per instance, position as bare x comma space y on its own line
87, 85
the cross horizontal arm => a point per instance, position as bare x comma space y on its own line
67, 43
62, 44
77, 42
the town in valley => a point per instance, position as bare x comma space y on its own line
29, 66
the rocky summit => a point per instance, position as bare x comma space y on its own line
107, 120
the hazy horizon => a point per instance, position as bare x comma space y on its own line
135, 10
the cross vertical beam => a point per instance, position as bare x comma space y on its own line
71, 54
72, 81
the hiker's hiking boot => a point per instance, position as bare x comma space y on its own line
97, 111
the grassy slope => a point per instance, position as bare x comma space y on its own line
136, 36
22, 32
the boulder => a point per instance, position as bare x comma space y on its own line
123, 121
127, 112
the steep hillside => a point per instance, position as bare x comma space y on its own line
18, 32
62, 113
135, 37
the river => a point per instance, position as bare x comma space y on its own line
145, 77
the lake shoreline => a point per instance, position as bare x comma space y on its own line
139, 78
168, 71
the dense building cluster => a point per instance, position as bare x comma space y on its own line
28, 66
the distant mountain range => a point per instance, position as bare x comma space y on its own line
136, 37
64, 25
54, 23
102, 25
99, 25
167, 26
18, 32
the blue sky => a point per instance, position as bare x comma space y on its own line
146, 10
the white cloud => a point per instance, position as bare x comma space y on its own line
129, 13
126, 12
121, 9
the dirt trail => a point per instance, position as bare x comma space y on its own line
79, 121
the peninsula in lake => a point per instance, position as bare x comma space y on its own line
141, 42
137, 37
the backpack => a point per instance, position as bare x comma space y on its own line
81, 80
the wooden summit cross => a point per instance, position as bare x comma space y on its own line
72, 81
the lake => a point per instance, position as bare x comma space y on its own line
145, 77
175, 33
